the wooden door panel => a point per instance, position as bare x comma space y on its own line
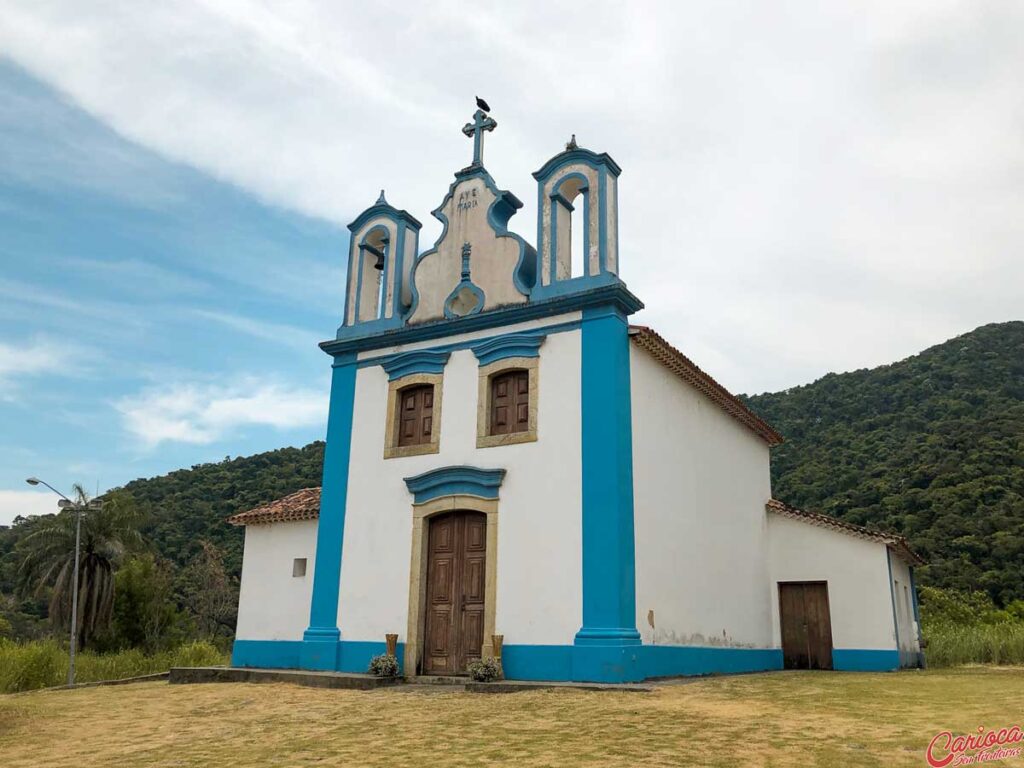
819, 626
806, 625
456, 581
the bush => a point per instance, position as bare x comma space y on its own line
385, 665
44, 663
485, 670
951, 645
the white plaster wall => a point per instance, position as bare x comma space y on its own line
700, 483
857, 576
903, 595
273, 604
539, 589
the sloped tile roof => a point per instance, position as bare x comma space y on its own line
301, 505
679, 364
898, 543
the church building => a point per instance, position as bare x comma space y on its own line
514, 469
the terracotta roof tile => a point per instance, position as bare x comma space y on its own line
898, 543
301, 505
649, 340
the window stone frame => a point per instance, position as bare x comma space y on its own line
484, 439
392, 450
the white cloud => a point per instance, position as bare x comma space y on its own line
25, 503
35, 358
807, 187
203, 413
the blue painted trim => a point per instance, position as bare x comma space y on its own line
860, 660
509, 345
323, 613
572, 325
892, 597
478, 294
547, 662
606, 290
449, 481
578, 155
384, 209
349, 655
417, 361
609, 567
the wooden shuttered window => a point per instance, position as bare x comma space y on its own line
415, 414
510, 403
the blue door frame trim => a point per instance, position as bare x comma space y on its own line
452, 481
609, 568
320, 638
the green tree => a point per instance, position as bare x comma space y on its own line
47, 554
146, 614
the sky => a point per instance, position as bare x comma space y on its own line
807, 187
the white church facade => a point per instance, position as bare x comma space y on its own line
512, 468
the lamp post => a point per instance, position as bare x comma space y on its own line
78, 509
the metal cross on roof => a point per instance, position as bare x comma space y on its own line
481, 122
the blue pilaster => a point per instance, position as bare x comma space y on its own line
604, 648
320, 642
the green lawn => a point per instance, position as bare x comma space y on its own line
775, 719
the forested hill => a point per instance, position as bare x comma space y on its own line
931, 447
190, 505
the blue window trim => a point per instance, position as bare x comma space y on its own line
417, 361
510, 345
451, 481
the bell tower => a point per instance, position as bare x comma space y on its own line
382, 250
574, 178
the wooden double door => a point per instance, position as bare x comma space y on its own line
456, 573
806, 625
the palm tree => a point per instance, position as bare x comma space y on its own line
48, 560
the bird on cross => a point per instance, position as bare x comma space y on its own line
481, 104
481, 122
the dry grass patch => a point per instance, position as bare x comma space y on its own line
787, 719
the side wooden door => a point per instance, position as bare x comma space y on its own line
806, 625
456, 566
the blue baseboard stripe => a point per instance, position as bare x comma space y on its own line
601, 664
865, 660
350, 655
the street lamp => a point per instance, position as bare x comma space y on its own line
78, 509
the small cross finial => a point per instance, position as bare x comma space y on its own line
571, 144
381, 200
481, 122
